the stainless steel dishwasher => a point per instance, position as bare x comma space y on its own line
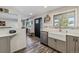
44, 37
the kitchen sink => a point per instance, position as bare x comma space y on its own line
58, 35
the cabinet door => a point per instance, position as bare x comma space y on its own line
70, 44
4, 45
77, 45
61, 45
52, 43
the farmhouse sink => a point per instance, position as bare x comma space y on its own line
57, 35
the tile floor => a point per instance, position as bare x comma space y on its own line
34, 46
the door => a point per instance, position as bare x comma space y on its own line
61, 46
52, 43
37, 27
18, 41
77, 45
70, 44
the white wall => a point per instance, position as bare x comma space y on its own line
49, 26
19, 41
9, 23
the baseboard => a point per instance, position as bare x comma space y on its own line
51, 48
19, 50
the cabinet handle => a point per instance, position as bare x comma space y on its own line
76, 40
73, 39
55, 40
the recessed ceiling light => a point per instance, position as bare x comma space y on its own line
45, 6
30, 13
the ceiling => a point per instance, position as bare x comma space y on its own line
30, 11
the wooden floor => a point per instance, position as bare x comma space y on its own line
34, 46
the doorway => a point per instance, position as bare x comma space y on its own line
37, 26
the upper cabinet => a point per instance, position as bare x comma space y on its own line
64, 20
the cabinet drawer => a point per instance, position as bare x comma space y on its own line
61, 46
52, 43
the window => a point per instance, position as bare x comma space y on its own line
29, 23
64, 20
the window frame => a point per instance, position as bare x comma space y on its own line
65, 12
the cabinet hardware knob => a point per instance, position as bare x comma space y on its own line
55, 40
73, 39
76, 40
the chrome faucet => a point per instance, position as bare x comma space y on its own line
60, 29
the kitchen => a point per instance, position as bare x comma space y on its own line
60, 32
11, 31
58, 28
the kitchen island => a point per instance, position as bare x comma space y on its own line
5, 42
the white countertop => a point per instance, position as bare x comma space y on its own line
61, 35
7, 35
73, 34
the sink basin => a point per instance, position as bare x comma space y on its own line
58, 35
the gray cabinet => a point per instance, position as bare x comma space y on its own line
44, 37
57, 44
4, 45
77, 45
52, 43
61, 46
72, 44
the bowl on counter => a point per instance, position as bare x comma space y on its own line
12, 31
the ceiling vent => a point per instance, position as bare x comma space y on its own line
3, 10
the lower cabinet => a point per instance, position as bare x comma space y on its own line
72, 44
57, 44
4, 45
61, 46
52, 43
77, 45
